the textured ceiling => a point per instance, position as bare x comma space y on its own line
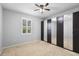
30, 7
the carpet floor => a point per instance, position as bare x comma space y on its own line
39, 48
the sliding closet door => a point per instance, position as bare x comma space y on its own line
68, 31
49, 30
42, 30
76, 32
53, 30
45, 30
60, 31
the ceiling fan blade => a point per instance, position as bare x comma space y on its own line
36, 9
47, 9
46, 4
37, 5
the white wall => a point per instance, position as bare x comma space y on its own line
12, 28
0, 28
68, 31
75, 9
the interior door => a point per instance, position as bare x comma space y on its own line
68, 31
76, 32
42, 30
45, 30
49, 30
53, 30
60, 31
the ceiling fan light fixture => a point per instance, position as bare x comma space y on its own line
42, 10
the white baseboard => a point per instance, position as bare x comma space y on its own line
21, 44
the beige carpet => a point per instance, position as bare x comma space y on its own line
37, 49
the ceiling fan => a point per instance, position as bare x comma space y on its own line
42, 7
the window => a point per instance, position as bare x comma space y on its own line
26, 25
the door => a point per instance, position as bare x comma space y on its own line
49, 30
68, 31
60, 31
76, 32
53, 30
42, 30
45, 30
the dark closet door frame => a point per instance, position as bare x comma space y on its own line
49, 30
60, 31
42, 30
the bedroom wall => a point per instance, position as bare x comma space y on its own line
12, 28
0, 28
68, 11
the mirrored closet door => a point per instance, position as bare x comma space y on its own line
45, 30
68, 31
53, 30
